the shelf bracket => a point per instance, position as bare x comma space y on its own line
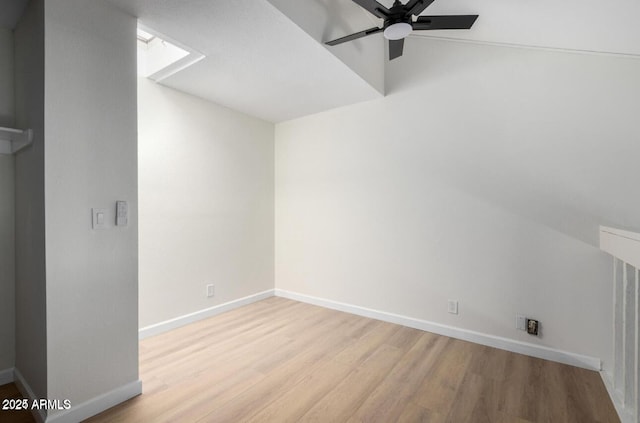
13, 140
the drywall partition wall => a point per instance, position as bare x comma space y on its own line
91, 162
206, 203
442, 190
549, 129
7, 106
30, 291
7, 263
7, 249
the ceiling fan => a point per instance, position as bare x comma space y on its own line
399, 23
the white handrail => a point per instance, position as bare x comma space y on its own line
621, 244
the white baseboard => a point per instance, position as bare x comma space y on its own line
587, 362
6, 376
591, 363
626, 416
27, 392
81, 411
97, 405
177, 322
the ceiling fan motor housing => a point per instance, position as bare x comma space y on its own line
398, 24
397, 15
395, 20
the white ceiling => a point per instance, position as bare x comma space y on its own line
257, 60
610, 26
262, 63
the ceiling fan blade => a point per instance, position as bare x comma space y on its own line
444, 22
395, 48
354, 36
415, 7
373, 7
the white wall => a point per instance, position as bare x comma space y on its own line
91, 161
31, 320
206, 203
7, 250
481, 177
547, 135
7, 106
7, 264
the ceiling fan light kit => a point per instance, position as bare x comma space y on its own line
399, 23
397, 31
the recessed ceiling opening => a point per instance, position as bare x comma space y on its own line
160, 57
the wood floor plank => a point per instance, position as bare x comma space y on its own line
368, 344
253, 355
279, 360
476, 400
274, 383
348, 395
489, 362
404, 337
440, 388
414, 413
593, 386
386, 403
295, 402
534, 389
225, 347
10, 391
187, 340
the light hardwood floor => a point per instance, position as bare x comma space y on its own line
10, 391
283, 361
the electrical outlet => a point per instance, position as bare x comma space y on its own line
521, 322
533, 327
211, 290
452, 307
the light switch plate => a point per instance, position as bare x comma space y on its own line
98, 218
122, 213
521, 322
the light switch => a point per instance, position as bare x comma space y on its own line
99, 218
122, 213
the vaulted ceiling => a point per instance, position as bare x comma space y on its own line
580, 25
266, 57
257, 60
